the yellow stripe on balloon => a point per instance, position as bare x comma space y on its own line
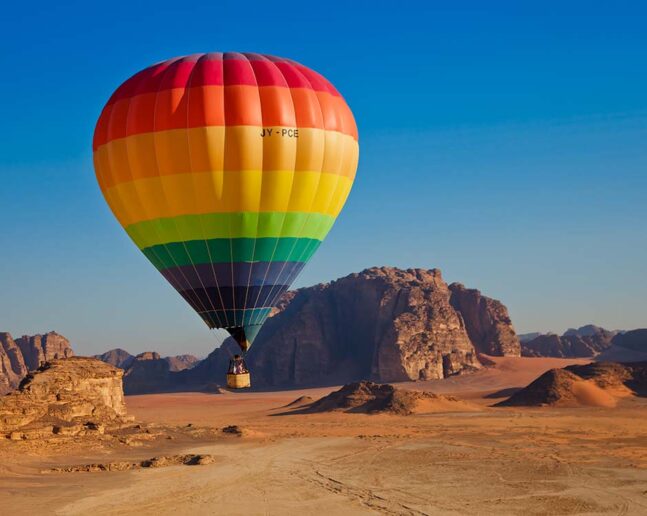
217, 148
230, 191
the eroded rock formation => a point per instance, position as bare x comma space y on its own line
12, 364
64, 397
382, 323
487, 322
38, 349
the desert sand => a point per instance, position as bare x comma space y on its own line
480, 460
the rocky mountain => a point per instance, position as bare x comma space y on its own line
27, 353
181, 362
117, 357
124, 360
383, 323
635, 340
527, 337
587, 341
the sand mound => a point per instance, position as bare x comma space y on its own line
300, 402
373, 398
593, 385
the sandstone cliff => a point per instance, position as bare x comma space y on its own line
38, 349
28, 353
12, 364
64, 396
382, 323
487, 322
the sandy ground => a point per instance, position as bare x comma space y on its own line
483, 461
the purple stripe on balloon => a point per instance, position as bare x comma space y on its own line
206, 275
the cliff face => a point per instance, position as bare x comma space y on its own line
25, 354
487, 322
382, 323
12, 364
38, 349
64, 394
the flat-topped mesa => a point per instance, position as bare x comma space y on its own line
64, 393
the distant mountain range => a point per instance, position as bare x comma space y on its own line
588, 341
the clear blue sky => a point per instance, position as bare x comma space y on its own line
506, 146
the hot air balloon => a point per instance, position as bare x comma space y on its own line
227, 170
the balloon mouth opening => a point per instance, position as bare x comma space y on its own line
238, 334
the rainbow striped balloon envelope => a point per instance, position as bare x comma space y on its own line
227, 170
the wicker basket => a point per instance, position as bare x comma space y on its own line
238, 381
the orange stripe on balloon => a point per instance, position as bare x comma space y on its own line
202, 106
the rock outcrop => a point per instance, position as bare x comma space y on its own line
69, 396
599, 384
487, 322
382, 323
587, 341
27, 353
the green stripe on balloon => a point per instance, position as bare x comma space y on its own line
225, 250
230, 225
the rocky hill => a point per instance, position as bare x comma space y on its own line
27, 353
596, 384
587, 341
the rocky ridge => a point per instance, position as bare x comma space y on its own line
587, 341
